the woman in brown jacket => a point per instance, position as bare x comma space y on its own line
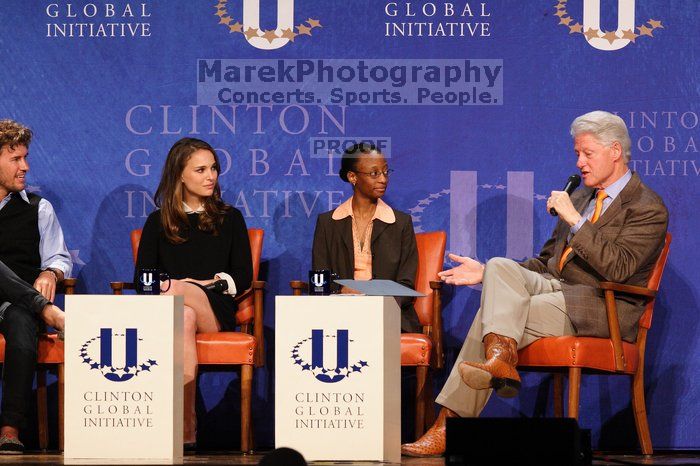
364, 238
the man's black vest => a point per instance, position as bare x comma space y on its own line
19, 237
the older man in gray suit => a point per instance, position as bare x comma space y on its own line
612, 230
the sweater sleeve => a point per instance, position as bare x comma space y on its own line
147, 256
240, 258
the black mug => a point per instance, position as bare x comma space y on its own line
321, 282
148, 281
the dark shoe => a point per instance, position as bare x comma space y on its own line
498, 372
11, 446
432, 443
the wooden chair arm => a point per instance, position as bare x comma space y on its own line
67, 285
614, 329
258, 285
629, 289
258, 288
298, 287
436, 284
438, 359
609, 289
119, 287
243, 296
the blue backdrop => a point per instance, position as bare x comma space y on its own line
108, 87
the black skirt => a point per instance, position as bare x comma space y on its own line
224, 307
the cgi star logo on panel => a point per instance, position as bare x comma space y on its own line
249, 27
97, 353
598, 38
308, 354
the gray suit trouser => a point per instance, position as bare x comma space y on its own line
516, 303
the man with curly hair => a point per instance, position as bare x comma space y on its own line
33, 260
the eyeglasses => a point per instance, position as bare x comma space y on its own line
375, 174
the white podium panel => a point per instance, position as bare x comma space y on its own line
123, 388
338, 377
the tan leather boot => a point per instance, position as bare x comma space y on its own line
432, 443
498, 372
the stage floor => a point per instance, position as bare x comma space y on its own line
232, 459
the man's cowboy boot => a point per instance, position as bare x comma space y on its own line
498, 372
432, 443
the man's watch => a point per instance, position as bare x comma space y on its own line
55, 274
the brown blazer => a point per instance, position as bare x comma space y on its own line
622, 246
394, 255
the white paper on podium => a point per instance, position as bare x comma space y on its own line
379, 288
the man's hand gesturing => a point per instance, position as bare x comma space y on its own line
468, 272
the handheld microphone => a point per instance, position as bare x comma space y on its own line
570, 186
218, 286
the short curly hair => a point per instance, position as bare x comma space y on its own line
14, 134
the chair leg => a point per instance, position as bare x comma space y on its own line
574, 390
640, 413
246, 393
61, 380
41, 408
558, 394
421, 374
251, 442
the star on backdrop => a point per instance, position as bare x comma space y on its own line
591, 33
611, 36
304, 30
251, 32
576, 28
270, 35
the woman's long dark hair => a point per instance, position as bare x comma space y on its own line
169, 194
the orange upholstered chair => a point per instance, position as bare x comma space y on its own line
421, 350
601, 355
244, 348
50, 354
424, 350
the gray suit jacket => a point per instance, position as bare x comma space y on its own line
622, 246
394, 255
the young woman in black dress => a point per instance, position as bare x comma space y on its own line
196, 239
